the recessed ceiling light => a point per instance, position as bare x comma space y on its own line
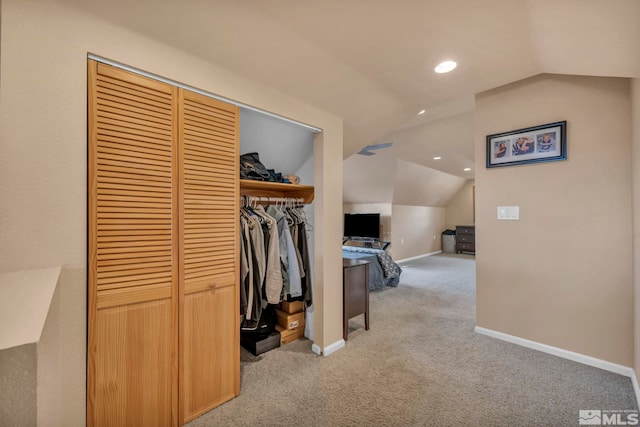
467, 169
422, 112
437, 158
446, 66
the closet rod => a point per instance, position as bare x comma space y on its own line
266, 199
201, 92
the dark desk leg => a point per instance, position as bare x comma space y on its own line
366, 301
345, 323
345, 320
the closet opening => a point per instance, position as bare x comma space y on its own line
287, 149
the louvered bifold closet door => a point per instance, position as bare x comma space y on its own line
133, 270
209, 195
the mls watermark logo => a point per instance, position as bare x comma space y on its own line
590, 417
597, 417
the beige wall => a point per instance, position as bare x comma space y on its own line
50, 377
417, 185
43, 165
30, 319
562, 274
414, 228
635, 158
18, 386
459, 211
369, 179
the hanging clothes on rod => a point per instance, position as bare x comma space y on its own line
274, 264
289, 259
273, 277
252, 267
299, 235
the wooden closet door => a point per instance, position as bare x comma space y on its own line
209, 197
133, 269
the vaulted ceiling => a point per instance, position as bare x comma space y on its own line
371, 61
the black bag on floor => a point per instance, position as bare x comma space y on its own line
264, 326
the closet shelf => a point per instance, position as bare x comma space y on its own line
276, 189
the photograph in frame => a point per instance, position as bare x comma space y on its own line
544, 143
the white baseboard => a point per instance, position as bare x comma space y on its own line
316, 349
418, 257
636, 387
565, 354
331, 348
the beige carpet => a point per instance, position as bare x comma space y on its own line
420, 364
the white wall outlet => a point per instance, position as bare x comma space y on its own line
434, 237
402, 241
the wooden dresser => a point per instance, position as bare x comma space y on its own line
466, 239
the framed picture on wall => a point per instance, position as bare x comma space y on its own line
544, 143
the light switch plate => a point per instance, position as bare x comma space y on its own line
509, 213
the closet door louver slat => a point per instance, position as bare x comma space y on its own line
133, 275
209, 194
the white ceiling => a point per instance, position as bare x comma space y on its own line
371, 61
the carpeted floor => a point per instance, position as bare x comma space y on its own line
420, 364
